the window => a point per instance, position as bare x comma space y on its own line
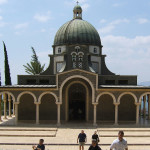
123, 82
95, 66
74, 65
80, 58
31, 81
74, 57
59, 66
44, 82
110, 82
95, 50
77, 48
59, 50
80, 64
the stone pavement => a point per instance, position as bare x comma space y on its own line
65, 137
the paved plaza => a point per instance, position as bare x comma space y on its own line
65, 137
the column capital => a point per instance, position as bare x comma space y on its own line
16, 103
137, 104
116, 104
58, 103
37, 103
95, 104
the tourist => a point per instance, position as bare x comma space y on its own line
81, 139
95, 137
40, 146
119, 143
94, 145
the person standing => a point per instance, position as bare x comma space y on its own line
40, 146
119, 143
94, 145
95, 137
82, 139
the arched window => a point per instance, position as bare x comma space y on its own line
95, 50
59, 50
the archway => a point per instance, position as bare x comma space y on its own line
48, 108
127, 108
26, 107
77, 102
106, 108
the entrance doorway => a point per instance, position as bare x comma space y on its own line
77, 102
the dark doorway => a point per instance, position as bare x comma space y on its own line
77, 102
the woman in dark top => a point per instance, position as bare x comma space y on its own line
95, 137
94, 146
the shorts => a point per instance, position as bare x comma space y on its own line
81, 143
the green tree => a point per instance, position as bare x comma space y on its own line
34, 67
6, 64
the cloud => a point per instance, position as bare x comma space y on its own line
112, 25
1, 18
1, 35
128, 55
103, 21
43, 17
85, 6
3, 1
43, 30
21, 25
142, 20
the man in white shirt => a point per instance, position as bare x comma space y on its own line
120, 143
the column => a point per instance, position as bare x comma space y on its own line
149, 106
9, 100
16, 113
95, 115
137, 113
140, 110
58, 114
13, 108
37, 113
116, 113
0, 108
144, 107
5, 107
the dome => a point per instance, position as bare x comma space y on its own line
77, 7
77, 31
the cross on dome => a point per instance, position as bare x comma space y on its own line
77, 2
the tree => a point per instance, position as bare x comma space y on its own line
35, 66
7, 70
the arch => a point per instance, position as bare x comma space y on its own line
44, 93
77, 76
80, 53
87, 99
146, 93
74, 53
9, 93
107, 93
127, 93
26, 92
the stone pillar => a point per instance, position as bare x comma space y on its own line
13, 108
137, 113
9, 101
149, 106
140, 110
95, 115
58, 114
116, 113
37, 113
0, 108
144, 106
5, 107
16, 113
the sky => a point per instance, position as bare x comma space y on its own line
123, 25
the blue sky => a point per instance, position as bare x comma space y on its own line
124, 28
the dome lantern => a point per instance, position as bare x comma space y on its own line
77, 12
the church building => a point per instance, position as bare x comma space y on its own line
77, 86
